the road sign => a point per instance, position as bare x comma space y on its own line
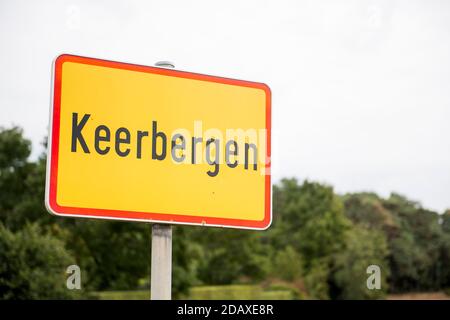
132, 142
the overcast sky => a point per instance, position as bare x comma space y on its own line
361, 89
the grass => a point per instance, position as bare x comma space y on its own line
438, 295
224, 292
239, 292
124, 295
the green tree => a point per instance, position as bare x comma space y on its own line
230, 255
363, 248
415, 236
309, 218
416, 248
14, 171
367, 210
445, 251
446, 222
187, 255
317, 279
115, 255
287, 264
33, 265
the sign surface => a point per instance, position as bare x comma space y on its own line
132, 142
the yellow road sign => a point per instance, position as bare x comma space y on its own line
132, 142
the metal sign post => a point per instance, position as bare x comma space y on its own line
161, 269
161, 273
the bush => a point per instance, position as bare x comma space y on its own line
316, 280
363, 248
33, 265
287, 264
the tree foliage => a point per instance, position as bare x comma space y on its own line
416, 238
33, 265
319, 241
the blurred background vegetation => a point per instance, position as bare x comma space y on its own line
318, 247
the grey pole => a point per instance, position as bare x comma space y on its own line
161, 269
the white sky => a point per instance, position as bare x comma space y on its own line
361, 89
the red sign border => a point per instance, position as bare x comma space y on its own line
53, 149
